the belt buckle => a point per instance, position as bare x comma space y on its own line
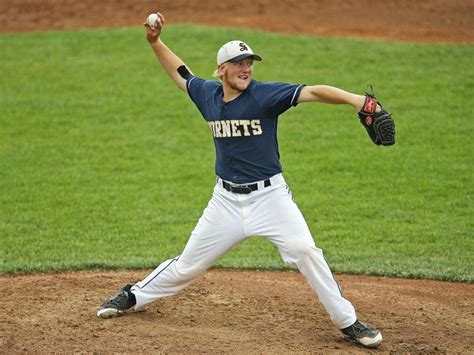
246, 189
239, 189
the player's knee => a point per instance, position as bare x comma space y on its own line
300, 247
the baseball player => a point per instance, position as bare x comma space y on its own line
251, 196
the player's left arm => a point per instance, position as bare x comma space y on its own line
330, 95
377, 121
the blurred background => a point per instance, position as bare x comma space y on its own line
423, 21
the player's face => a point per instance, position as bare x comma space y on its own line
238, 74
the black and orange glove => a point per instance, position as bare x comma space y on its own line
379, 125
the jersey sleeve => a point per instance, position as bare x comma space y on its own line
276, 97
201, 91
194, 86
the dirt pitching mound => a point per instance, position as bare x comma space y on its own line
230, 311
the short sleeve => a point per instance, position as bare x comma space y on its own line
276, 97
201, 91
195, 92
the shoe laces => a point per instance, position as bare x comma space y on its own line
120, 299
360, 328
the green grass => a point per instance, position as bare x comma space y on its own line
105, 164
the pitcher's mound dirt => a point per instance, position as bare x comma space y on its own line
230, 311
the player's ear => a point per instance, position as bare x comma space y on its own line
220, 71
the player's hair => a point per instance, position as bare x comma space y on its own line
216, 72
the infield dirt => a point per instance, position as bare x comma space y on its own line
435, 21
230, 311
239, 311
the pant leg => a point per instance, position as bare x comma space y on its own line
219, 229
277, 217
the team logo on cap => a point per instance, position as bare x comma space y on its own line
243, 47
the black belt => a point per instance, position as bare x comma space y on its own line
244, 189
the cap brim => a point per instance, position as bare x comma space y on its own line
245, 56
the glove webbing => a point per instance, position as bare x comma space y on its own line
385, 128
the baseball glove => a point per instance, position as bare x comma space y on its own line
379, 125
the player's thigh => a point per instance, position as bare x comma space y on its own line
279, 219
218, 230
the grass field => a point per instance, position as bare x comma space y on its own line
105, 164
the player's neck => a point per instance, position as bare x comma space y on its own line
230, 92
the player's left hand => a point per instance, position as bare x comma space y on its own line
153, 33
377, 121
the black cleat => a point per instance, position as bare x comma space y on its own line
361, 333
117, 304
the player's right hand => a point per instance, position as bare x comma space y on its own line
152, 34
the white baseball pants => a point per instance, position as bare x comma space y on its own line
231, 218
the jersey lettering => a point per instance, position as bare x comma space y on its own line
235, 132
225, 128
217, 128
245, 124
257, 129
235, 128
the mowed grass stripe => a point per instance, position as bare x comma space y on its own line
104, 163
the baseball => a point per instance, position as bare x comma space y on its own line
152, 20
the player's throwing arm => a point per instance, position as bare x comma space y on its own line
168, 60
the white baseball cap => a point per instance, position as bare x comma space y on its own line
235, 51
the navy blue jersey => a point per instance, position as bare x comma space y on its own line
244, 129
